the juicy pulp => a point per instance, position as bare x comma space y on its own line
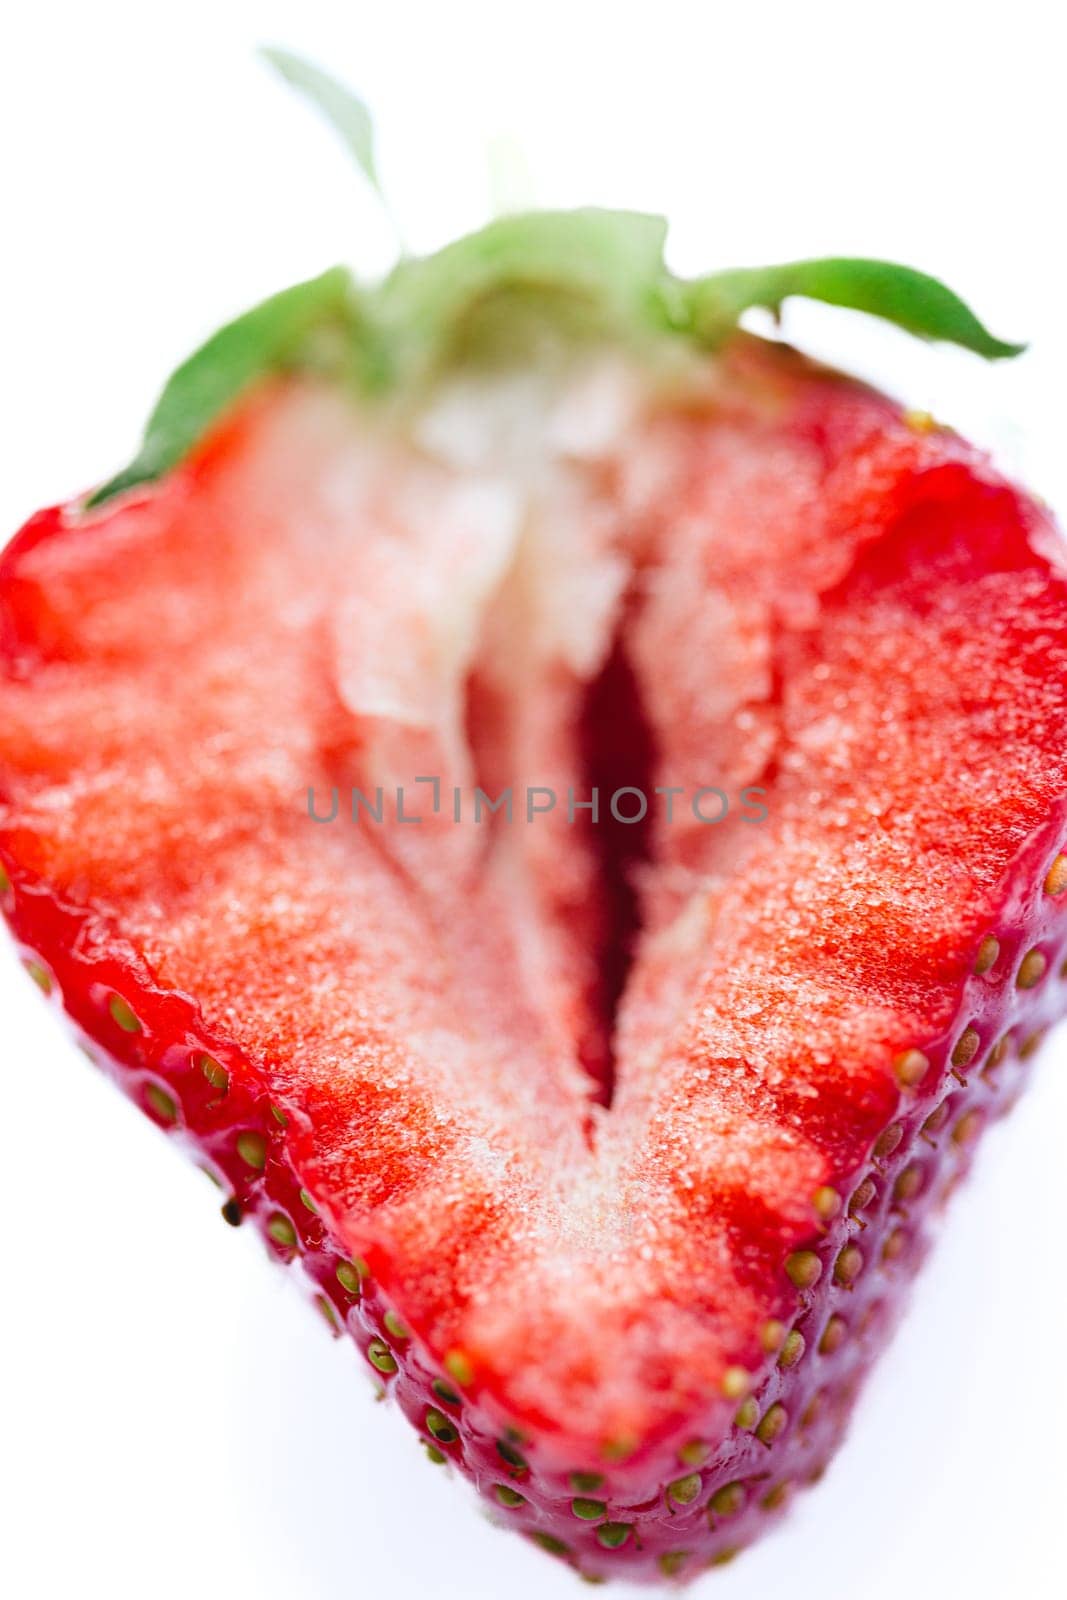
588, 1107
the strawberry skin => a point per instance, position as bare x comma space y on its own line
638, 1326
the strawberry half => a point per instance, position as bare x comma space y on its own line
612, 1142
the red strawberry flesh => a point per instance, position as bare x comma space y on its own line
641, 1200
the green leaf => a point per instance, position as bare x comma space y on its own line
311, 323
918, 303
525, 288
344, 110
590, 270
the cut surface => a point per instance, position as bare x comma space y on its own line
588, 1100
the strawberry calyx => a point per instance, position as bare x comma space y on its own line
557, 278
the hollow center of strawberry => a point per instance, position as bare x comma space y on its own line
619, 763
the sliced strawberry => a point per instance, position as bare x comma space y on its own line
613, 1156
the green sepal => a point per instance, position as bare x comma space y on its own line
344, 111
921, 305
309, 325
499, 293
585, 272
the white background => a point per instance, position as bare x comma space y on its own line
175, 1422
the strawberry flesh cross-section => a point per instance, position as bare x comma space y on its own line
613, 1145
